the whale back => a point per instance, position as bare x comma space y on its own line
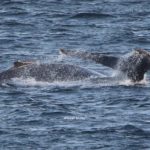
47, 72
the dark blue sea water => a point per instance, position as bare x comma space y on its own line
73, 115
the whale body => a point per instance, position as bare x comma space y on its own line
46, 72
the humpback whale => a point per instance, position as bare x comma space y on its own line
133, 66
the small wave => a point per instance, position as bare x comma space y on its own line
55, 114
17, 13
5, 41
14, 23
30, 122
133, 130
3, 132
14, 12
99, 131
90, 15
8, 2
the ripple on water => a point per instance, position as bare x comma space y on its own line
91, 16
73, 115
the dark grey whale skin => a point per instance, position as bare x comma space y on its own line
134, 66
47, 72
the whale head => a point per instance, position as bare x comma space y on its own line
135, 65
145, 57
140, 64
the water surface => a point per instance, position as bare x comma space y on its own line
74, 115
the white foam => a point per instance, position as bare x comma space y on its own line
88, 83
27, 82
33, 82
128, 82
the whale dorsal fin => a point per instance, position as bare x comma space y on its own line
20, 63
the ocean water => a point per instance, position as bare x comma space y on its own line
73, 115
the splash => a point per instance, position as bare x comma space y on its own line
31, 82
94, 82
27, 82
